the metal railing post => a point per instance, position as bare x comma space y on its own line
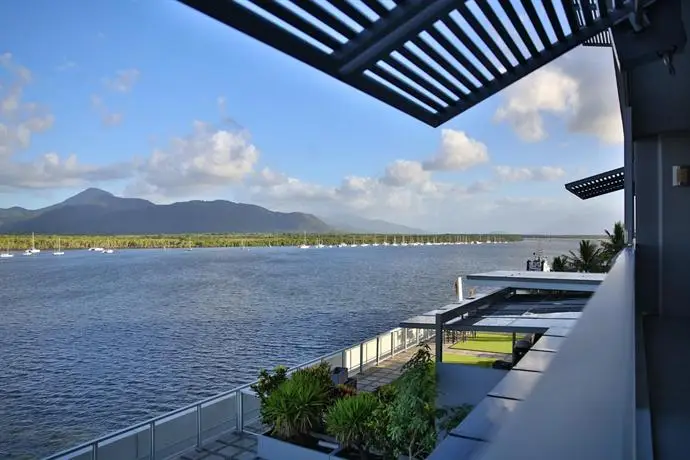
239, 412
94, 451
392, 345
361, 357
405, 330
198, 426
343, 358
378, 348
152, 433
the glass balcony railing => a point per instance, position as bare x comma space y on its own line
234, 410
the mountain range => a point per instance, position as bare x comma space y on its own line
98, 212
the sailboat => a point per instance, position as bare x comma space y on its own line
59, 251
189, 247
107, 250
7, 255
305, 245
33, 249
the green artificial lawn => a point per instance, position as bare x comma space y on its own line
486, 341
467, 359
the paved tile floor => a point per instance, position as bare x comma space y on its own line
230, 446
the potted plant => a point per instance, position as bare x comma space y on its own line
293, 410
349, 420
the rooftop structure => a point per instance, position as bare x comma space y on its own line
600, 184
413, 54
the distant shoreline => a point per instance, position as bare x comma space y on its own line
22, 242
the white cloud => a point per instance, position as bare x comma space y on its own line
578, 88
108, 117
52, 171
404, 172
123, 81
457, 152
209, 157
19, 122
539, 173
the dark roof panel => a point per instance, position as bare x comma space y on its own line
601, 184
430, 59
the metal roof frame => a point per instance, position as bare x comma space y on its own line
600, 184
405, 52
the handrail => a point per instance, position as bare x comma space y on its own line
583, 406
94, 444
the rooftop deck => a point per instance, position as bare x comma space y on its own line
242, 446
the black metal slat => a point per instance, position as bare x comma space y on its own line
443, 62
532, 64
600, 184
246, 21
415, 77
536, 22
390, 34
603, 8
587, 12
457, 55
279, 11
353, 13
389, 96
474, 49
571, 15
327, 18
404, 86
497, 24
519, 26
376, 7
433, 73
553, 19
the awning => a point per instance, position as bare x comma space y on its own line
601, 184
430, 59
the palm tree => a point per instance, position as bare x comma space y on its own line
614, 245
589, 258
559, 263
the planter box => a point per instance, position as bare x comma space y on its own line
339, 375
270, 448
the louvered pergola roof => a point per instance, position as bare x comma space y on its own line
432, 59
600, 184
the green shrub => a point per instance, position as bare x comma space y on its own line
450, 418
343, 391
386, 393
267, 384
320, 373
412, 413
349, 420
296, 407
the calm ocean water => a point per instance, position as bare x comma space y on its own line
91, 343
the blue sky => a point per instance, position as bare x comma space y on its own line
116, 83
